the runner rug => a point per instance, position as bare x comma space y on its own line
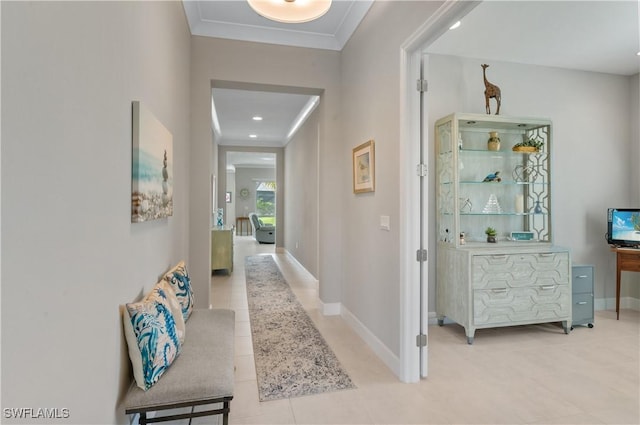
291, 356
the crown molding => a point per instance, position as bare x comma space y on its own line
272, 35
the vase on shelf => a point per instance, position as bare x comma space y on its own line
493, 144
519, 204
220, 217
492, 206
538, 208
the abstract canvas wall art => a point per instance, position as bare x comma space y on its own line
152, 167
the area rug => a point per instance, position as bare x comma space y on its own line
291, 356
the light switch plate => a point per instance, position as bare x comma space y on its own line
384, 222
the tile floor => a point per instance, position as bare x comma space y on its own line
516, 375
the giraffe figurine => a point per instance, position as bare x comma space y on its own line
490, 91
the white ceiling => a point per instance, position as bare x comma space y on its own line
235, 110
599, 36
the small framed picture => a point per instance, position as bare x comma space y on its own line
364, 168
228, 197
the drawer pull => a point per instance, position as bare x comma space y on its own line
582, 276
499, 290
547, 287
546, 254
582, 303
499, 257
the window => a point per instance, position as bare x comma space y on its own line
266, 201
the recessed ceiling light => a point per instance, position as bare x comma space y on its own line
638, 53
257, 118
253, 136
456, 25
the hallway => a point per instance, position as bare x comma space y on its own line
515, 375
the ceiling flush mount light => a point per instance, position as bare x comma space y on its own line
257, 118
253, 136
290, 11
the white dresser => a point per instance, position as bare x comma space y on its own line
506, 286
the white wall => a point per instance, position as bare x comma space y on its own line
634, 122
70, 254
301, 207
592, 144
371, 76
631, 283
246, 62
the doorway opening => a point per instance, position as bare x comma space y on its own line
250, 187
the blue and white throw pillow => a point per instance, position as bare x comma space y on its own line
163, 292
153, 343
180, 281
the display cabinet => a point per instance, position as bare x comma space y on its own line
494, 173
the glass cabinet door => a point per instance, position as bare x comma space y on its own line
478, 188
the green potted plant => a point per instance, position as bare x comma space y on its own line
491, 234
529, 145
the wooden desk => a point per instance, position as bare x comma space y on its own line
628, 259
240, 226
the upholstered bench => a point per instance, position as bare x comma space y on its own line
202, 374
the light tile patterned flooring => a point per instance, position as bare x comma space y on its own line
515, 375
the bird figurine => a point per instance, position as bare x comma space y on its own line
493, 177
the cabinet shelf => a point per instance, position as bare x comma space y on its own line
502, 183
505, 214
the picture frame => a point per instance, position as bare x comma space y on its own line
151, 168
364, 167
228, 197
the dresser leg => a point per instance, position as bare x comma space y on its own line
566, 325
470, 334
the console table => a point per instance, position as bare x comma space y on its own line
222, 248
628, 259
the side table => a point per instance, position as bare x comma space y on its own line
241, 224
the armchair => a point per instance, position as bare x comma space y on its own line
263, 233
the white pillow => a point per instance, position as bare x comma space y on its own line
152, 339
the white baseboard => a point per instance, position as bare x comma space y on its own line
330, 309
391, 360
629, 303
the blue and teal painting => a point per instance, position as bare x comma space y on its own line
152, 167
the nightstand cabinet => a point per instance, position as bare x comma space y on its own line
582, 295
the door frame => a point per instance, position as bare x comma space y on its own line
411, 54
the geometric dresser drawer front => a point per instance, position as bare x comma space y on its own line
520, 270
513, 305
